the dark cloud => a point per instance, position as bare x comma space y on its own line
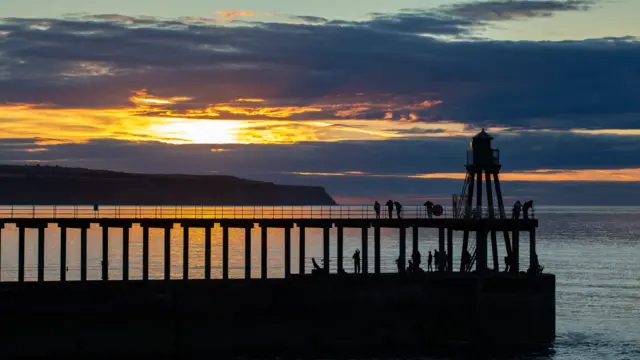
82, 62
526, 151
515, 9
310, 19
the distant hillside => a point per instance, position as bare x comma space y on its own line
52, 185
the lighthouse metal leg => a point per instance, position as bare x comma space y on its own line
465, 236
492, 215
507, 242
479, 212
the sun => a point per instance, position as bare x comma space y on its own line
198, 131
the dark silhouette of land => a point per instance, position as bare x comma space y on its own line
54, 185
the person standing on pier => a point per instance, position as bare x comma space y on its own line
430, 262
390, 209
517, 207
376, 207
436, 259
398, 209
416, 257
356, 261
525, 209
429, 206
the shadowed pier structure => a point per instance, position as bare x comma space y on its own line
324, 313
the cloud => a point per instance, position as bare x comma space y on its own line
309, 19
499, 10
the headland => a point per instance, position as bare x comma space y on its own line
53, 185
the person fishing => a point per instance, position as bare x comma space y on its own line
356, 261
390, 209
429, 206
376, 207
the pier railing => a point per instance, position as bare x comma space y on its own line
223, 212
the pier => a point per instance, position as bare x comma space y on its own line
325, 312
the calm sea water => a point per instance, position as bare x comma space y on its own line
594, 252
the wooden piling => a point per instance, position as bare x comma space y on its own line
105, 253
287, 252
376, 248
263, 251
301, 248
167, 253
83, 254
325, 247
403, 249
365, 250
450, 249
20, 254
41, 254
415, 243
441, 250
125, 253
63, 253
185, 252
225, 252
481, 250
207, 253
533, 263
340, 249
515, 251
247, 253
145, 253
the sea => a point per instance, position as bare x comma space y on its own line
593, 251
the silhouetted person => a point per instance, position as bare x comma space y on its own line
399, 266
429, 262
466, 260
517, 207
390, 209
507, 263
417, 258
525, 209
356, 261
436, 259
376, 207
445, 261
429, 206
398, 209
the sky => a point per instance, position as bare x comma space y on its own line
371, 99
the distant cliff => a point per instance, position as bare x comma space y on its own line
52, 185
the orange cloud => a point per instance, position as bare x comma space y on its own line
230, 14
541, 175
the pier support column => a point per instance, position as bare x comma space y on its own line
301, 257
533, 261
63, 253
83, 254
340, 249
20, 254
41, 254
481, 250
402, 261
263, 250
145, 253
365, 250
325, 247
207, 253
125, 253
105, 253
450, 249
415, 235
376, 249
515, 251
167, 253
287, 252
225, 252
185, 252
441, 250
247, 253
